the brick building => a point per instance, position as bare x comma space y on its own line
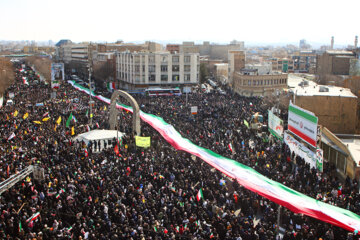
334, 106
249, 83
334, 62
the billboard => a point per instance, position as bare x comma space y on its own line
57, 74
275, 125
315, 159
303, 124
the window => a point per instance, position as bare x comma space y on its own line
249, 82
137, 68
137, 78
151, 59
187, 77
152, 78
164, 78
164, 68
143, 68
175, 59
164, 59
151, 68
175, 68
187, 68
175, 78
187, 59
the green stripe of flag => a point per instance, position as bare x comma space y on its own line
303, 114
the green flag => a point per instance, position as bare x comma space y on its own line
69, 120
87, 113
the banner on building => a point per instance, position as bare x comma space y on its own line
142, 141
300, 150
303, 124
275, 125
319, 159
57, 74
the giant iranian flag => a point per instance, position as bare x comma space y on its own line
248, 177
303, 124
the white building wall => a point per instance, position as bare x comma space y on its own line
125, 63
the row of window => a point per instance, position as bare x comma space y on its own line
163, 68
163, 59
264, 82
152, 77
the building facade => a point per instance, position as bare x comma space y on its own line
145, 69
335, 107
304, 61
211, 51
219, 51
284, 65
236, 60
334, 62
249, 83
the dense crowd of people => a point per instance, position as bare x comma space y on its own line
149, 193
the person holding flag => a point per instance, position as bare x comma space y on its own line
199, 195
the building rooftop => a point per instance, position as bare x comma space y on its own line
339, 52
354, 148
313, 89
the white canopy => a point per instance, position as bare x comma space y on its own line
99, 134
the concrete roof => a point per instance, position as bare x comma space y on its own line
342, 52
314, 90
354, 148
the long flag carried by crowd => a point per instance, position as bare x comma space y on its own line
248, 177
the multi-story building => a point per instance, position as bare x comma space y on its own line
248, 82
262, 68
304, 61
76, 56
334, 62
221, 71
236, 62
211, 51
145, 69
284, 65
219, 51
335, 106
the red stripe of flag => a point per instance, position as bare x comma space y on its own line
303, 136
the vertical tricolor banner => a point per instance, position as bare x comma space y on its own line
303, 124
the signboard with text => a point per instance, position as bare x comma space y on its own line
315, 159
57, 74
303, 124
275, 125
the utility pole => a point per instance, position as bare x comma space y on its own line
90, 70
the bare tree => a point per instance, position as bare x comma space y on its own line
42, 65
103, 71
7, 74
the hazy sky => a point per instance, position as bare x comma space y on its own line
253, 21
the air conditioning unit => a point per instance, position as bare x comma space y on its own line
323, 89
